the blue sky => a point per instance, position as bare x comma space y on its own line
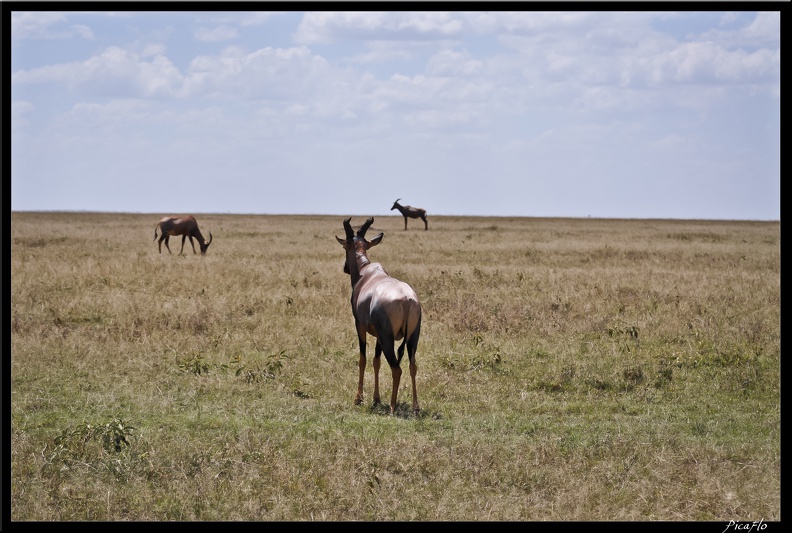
670, 114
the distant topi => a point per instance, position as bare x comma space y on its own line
186, 226
410, 212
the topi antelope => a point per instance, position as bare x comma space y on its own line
186, 226
410, 212
383, 307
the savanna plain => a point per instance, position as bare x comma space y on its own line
568, 370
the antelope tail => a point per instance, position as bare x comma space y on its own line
155, 232
404, 331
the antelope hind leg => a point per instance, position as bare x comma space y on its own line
413, 372
376, 364
396, 372
361, 372
361, 369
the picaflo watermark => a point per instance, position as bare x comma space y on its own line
745, 527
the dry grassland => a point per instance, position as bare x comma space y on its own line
568, 369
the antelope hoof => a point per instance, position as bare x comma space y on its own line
358, 399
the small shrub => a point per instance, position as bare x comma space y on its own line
194, 365
257, 373
77, 442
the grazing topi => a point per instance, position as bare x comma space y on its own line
410, 212
383, 307
186, 226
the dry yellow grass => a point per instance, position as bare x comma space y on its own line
569, 369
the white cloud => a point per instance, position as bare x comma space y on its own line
453, 63
434, 99
706, 63
34, 24
21, 107
115, 72
153, 50
218, 33
20, 110
83, 31
46, 25
268, 73
764, 30
328, 27
384, 51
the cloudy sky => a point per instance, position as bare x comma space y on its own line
530, 113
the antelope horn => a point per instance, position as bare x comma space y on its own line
364, 228
350, 234
210, 239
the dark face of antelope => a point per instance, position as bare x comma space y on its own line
395, 204
356, 246
205, 244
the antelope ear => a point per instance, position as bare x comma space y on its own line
342, 242
376, 240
